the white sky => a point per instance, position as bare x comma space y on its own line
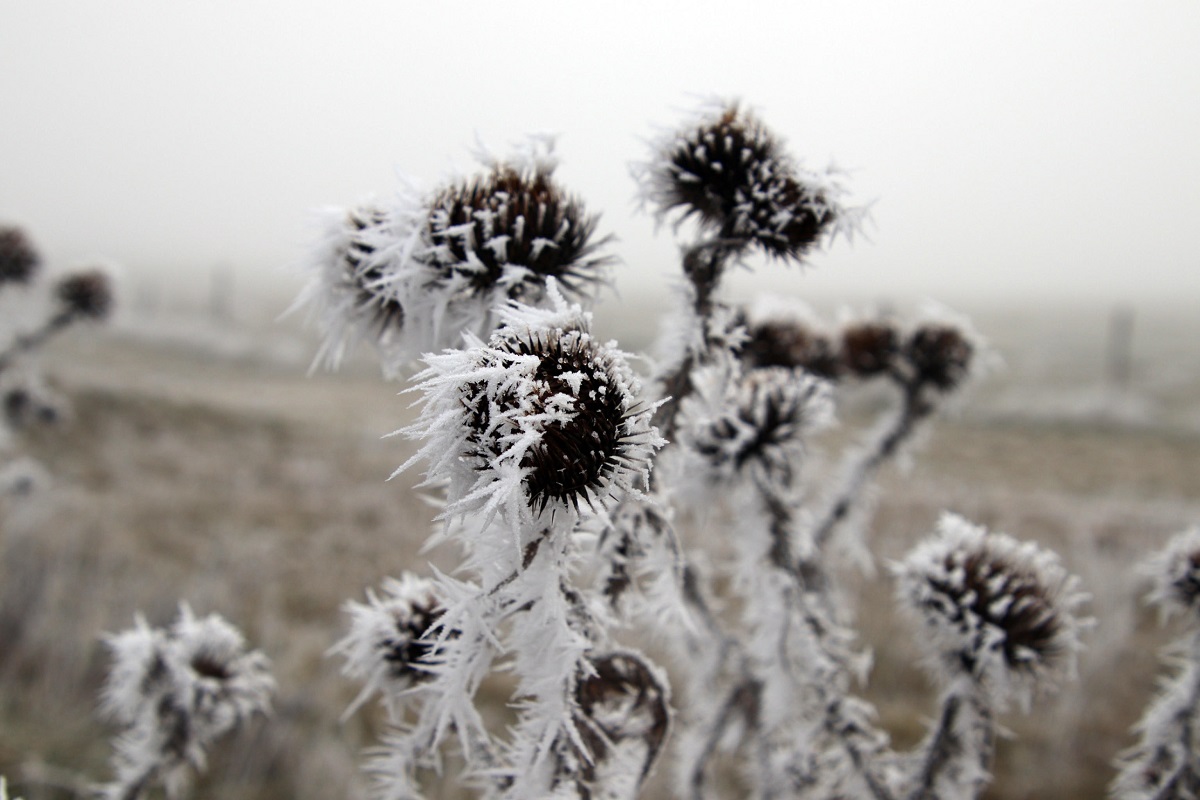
1023, 151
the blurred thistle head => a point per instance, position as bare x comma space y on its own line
939, 355
413, 274
18, 258
760, 424
540, 416
1175, 572
86, 294
390, 638
998, 611
869, 348
787, 334
731, 173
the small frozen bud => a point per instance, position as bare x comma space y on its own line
625, 714
512, 229
998, 610
729, 171
869, 348
86, 294
18, 258
1175, 571
940, 355
390, 637
790, 344
763, 423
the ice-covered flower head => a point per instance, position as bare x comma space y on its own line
389, 637
732, 174
414, 273
176, 690
787, 334
761, 423
86, 294
540, 416
940, 355
869, 348
1175, 571
18, 258
1002, 612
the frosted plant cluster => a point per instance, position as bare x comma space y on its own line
612, 528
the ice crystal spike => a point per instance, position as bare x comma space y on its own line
869, 348
998, 610
363, 228
940, 355
86, 294
514, 228
730, 172
18, 258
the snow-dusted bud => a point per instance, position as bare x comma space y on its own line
511, 230
176, 690
791, 344
762, 423
940, 355
999, 611
389, 637
86, 294
415, 273
869, 348
18, 258
625, 715
542, 415
1175, 571
729, 171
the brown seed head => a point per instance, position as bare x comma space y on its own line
86, 294
789, 344
940, 355
869, 348
18, 258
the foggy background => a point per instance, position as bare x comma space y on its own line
1023, 153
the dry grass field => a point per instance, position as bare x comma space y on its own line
226, 478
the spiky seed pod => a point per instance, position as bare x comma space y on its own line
763, 424
792, 345
624, 708
1175, 572
18, 258
86, 294
575, 449
512, 229
1001, 612
177, 690
390, 637
940, 355
730, 172
540, 416
869, 348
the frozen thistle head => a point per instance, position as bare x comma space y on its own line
998, 611
1175, 572
388, 640
790, 344
176, 690
18, 258
541, 416
731, 173
940, 355
762, 424
869, 348
413, 274
86, 294
505, 233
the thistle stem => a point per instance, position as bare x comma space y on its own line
31, 341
